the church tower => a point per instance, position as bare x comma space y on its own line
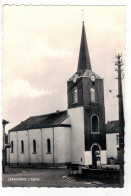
86, 109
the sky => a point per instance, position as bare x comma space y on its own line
40, 53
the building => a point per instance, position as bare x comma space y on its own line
77, 135
112, 140
41, 140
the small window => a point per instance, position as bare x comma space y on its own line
93, 94
12, 147
117, 139
95, 123
22, 146
48, 146
34, 146
118, 153
75, 95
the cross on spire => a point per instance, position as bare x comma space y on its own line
83, 14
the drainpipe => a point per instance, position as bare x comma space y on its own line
41, 147
28, 148
17, 148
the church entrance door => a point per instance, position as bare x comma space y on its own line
96, 156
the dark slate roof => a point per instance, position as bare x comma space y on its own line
112, 126
43, 121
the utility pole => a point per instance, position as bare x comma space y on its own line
121, 116
4, 122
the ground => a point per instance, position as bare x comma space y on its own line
44, 177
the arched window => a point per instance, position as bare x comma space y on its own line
75, 95
34, 146
22, 146
12, 147
48, 146
93, 94
95, 123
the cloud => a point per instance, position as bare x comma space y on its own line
23, 88
40, 48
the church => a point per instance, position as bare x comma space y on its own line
76, 135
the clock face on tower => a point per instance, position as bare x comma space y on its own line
74, 78
93, 77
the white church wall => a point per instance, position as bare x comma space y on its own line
59, 139
59, 145
112, 145
62, 144
47, 133
23, 157
67, 144
88, 157
13, 155
35, 134
77, 135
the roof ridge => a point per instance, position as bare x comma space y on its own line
47, 114
112, 121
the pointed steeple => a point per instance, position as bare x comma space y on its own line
84, 58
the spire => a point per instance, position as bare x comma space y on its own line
84, 58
